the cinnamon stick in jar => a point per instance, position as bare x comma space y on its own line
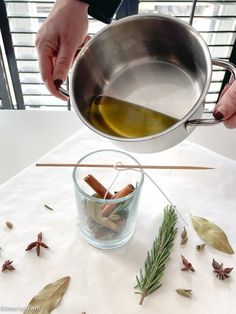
97, 186
109, 208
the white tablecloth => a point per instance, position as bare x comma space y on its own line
102, 282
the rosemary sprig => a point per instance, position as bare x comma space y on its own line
155, 263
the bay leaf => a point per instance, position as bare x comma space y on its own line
212, 234
48, 298
93, 210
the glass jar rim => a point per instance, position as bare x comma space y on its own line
102, 200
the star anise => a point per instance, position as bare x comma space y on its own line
37, 244
221, 272
8, 266
187, 265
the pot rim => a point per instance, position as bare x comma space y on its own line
198, 103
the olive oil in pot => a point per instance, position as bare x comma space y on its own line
124, 119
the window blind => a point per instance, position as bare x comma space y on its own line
25, 17
215, 21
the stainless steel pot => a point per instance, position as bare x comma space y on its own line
155, 61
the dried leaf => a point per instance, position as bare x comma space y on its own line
9, 224
48, 207
184, 237
183, 241
93, 210
114, 217
185, 292
200, 247
212, 234
48, 298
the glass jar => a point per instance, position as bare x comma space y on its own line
108, 223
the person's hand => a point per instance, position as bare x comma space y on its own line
226, 106
58, 40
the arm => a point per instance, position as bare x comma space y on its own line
103, 10
61, 35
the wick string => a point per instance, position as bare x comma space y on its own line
119, 163
166, 197
116, 176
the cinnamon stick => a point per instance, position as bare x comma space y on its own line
97, 186
109, 208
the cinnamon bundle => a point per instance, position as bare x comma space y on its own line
102, 191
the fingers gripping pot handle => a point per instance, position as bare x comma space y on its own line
204, 122
61, 89
64, 91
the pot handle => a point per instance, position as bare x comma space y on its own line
227, 66
64, 91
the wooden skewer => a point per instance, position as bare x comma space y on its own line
122, 166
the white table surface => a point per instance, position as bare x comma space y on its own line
26, 136
102, 281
